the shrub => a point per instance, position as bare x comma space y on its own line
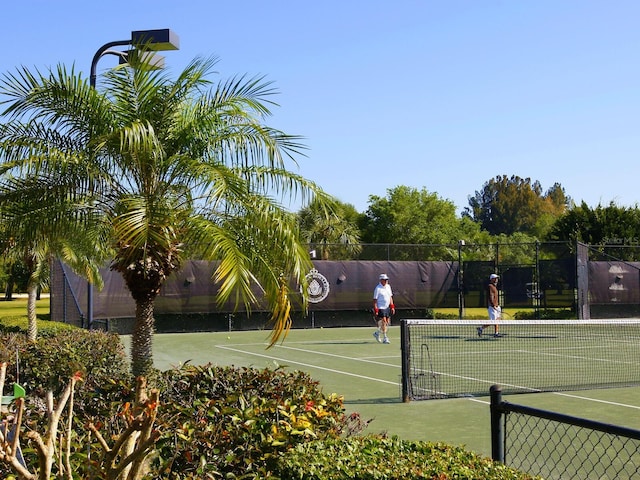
49, 363
546, 314
19, 323
378, 457
231, 422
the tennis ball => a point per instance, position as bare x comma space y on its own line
228, 338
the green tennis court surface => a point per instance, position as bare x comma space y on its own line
349, 361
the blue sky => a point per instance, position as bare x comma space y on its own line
435, 94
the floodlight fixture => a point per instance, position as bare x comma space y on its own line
156, 40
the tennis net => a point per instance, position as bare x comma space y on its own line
452, 358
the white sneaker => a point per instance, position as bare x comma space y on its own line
386, 340
376, 334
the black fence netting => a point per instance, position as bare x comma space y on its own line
534, 277
333, 285
613, 273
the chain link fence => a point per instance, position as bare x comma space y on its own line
558, 446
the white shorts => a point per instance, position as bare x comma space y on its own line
495, 313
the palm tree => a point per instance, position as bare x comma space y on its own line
171, 169
35, 227
333, 231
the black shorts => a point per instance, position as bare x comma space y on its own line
384, 312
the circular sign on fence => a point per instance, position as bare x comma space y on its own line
317, 286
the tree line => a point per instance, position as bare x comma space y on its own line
507, 209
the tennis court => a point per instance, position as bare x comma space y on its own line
349, 361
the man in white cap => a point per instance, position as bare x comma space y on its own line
493, 304
383, 308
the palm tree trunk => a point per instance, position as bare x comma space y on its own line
8, 293
142, 338
32, 324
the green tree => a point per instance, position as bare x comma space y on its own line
34, 229
516, 249
15, 275
554, 203
602, 225
508, 205
172, 169
332, 231
411, 216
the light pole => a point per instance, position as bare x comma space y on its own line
146, 41
154, 40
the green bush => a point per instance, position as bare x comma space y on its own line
546, 314
232, 422
46, 328
378, 457
48, 364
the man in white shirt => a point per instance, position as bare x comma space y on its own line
383, 308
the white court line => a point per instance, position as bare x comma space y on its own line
577, 357
340, 356
478, 400
579, 397
616, 404
285, 361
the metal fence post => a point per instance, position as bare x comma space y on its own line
497, 429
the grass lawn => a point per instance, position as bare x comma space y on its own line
18, 306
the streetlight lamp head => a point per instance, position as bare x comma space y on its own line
163, 39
